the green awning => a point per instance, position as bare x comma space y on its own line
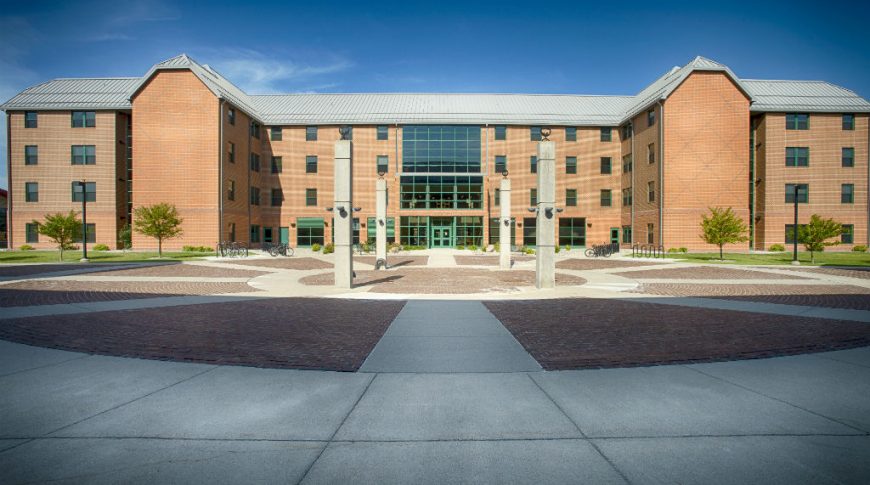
309, 222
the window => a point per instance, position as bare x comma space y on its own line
349, 131
255, 129
277, 197
90, 187
626, 197
30, 119
627, 163
627, 131
277, 164
651, 191
255, 196
626, 234
651, 153
501, 132
231, 116
276, 133
84, 119
650, 234
606, 165
32, 233
310, 197
797, 157
383, 164
232, 234
414, 230
606, 197
847, 194
383, 132
372, 229
232, 152
310, 133
606, 133
497, 197
848, 234
309, 231
848, 157
651, 117
848, 122
530, 236
267, 234
255, 162
231, 190
31, 155
572, 231
570, 164
255, 233
533, 164
803, 193
533, 197
441, 192
84, 154
500, 163
91, 236
797, 121
469, 230
445, 149
570, 133
535, 133
495, 226
789, 232
571, 197
31, 192
311, 164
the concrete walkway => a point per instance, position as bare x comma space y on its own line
91, 419
448, 336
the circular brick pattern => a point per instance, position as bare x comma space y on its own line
862, 273
182, 270
600, 263
394, 261
282, 263
829, 296
487, 260
707, 273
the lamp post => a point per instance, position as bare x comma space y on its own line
794, 235
84, 187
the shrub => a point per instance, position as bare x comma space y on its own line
394, 247
26, 247
125, 236
315, 247
412, 248
528, 250
460, 246
473, 247
673, 250
101, 247
684, 250
859, 248
329, 248
496, 247
196, 249
567, 247
558, 248
776, 247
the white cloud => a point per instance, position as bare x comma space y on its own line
258, 74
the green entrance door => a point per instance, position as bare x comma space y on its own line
614, 235
285, 235
441, 229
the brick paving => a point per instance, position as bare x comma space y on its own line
302, 333
596, 333
828, 296
487, 260
442, 281
55, 292
183, 270
707, 273
282, 263
599, 263
847, 272
33, 269
395, 261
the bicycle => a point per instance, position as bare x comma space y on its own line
280, 249
599, 250
228, 249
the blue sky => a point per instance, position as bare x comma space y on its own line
614, 47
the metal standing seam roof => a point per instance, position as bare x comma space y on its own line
408, 108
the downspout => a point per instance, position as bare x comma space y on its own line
661, 173
9, 182
633, 186
396, 140
489, 201
753, 174
220, 170
249, 181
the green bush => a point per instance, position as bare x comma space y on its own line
496, 247
859, 248
125, 236
101, 247
196, 249
777, 247
684, 250
460, 246
558, 248
528, 250
473, 247
26, 247
412, 248
673, 250
394, 247
567, 247
329, 248
315, 247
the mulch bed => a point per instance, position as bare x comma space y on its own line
600, 263
394, 261
299, 333
282, 263
707, 273
55, 292
487, 260
442, 280
592, 333
185, 270
828, 296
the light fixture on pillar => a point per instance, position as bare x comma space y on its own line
381, 174
545, 134
381, 222
504, 173
357, 209
507, 222
533, 209
344, 131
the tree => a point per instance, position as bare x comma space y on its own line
125, 236
62, 229
815, 235
160, 221
723, 227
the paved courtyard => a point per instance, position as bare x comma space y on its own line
258, 371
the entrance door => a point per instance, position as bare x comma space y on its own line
442, 233
285, 235
614, 235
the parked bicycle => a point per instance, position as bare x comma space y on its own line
364, 248
601, 250
282, 249
229, 249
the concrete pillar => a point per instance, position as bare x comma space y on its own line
545, 268
343, 214
381, 221
504, 225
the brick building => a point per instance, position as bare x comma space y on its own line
258, 168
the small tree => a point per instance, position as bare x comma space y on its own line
125, 236
723, 227
160, 221
62, 229
815, 235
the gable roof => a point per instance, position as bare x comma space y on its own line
67, 94
815, 96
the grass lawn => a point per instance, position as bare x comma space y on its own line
94, 256
822, 259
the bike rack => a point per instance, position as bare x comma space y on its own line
381, 262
